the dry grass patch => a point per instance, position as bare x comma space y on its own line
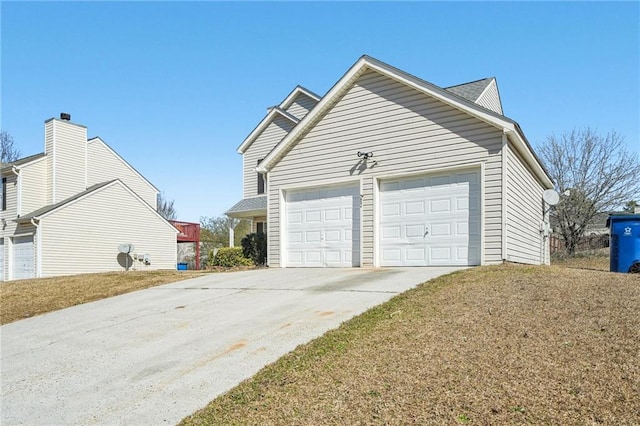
594, 259
508, 344
26, 298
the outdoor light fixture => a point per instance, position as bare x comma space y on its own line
366, 155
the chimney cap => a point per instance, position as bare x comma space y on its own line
65, 116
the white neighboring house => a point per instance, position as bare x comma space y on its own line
67, 210
388, 169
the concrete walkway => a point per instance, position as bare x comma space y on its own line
157, 355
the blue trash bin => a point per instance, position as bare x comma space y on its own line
624, 247
182, 266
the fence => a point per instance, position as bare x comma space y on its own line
587, 242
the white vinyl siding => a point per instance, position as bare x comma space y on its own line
259, 149
490, 98
408, 132
83, 237
48, 150
301, 106
69, 159
33, 195
105, 165
10, 214
524, 213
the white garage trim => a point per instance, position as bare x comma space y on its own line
432, 219
322, 226
1, 259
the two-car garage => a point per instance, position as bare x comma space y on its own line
423, 220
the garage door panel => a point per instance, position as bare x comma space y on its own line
414, 231
312, 216
23, 264
312, 237
294, 237
414, 208
294, 217
439, 206
451, 215
330, 227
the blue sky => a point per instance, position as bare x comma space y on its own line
175, 87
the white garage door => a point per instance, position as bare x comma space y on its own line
2, 259
430, 220
23, 258
323, 227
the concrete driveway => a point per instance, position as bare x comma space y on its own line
157, 355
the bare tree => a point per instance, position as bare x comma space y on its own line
594, 174
8, 150
166, 208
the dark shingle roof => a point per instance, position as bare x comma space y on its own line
249, 205
51, 207
471, 90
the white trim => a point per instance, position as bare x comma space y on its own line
262, 126
504, 158
286, 103
361, 231
8, 272
483, 209
376, 222
19, 194
493, 81
282, 199
38, 243
53, 162
97, 138
86, 164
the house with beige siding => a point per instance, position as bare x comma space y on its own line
67, 210
387, 169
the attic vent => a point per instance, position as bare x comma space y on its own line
65, 116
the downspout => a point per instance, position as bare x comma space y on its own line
16, 171
38, 242
505, 146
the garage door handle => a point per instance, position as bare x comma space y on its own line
426, 231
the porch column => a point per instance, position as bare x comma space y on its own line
231, 237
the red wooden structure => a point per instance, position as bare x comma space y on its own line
189, 233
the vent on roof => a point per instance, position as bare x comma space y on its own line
65, 116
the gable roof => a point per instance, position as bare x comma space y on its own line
46, 210
22, 161
268, 119
365, 63
286, 103
279, 109
36, 214
471, 90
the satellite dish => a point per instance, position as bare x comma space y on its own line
125, 248
551, 197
